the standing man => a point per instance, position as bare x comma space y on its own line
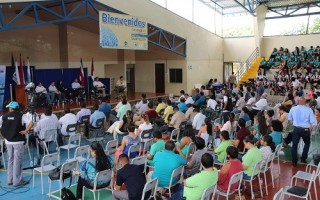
13, 132
302, 118
231, 80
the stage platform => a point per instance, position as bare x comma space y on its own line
75, 105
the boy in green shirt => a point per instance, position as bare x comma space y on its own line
250, 159
195, 185
221, 150
157, 146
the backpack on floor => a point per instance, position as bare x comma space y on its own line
66, 194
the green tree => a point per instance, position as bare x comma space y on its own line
315, 26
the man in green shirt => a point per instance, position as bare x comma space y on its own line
195, 185
250, 159
123, 109
157, 146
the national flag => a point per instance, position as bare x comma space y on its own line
92, 70
28, 71
16, 77
81, 75
21, 72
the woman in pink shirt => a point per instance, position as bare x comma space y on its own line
232, 167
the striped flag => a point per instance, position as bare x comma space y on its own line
21, 72
81, 75
16, 77
92, 70
28, 71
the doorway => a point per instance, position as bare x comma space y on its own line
130, 75
159, 78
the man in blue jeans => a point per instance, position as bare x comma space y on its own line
302, 118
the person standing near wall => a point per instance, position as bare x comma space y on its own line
13, 131
232, 80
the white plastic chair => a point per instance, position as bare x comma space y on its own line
191, 149
150, 186
278, 195
99, 129
146, 147
175, 134
48, 163
111, 146
2, 152
81, 154
48, 136
235, 178
176, 175
307, 176
264, 169
134, 148
306, 191
74, 142
100, 176
277, 155
67, 166
208, 192
256, 168
141, 160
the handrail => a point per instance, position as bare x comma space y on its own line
245, 66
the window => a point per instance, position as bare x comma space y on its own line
175, 75
181, 7
286, 26
237, 25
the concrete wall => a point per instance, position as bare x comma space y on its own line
238, 49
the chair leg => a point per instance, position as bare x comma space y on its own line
315, 189
265, 183
49, 188
251, 187
94, 195
83, 188
261, 186
33, 179
271, 172
41, 182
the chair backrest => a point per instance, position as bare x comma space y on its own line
256, 169
102, 176
50, 158
248, 123
147, 145
83, 150
150, 185
100, 122
71, 128
235, 178
208, 192
133, 148
85, 119
278, 149
175, 134
177, 174
141, 160
191, 149
111, 145
147, 134
278, 195
75, 138
268, 163
68, 166
50, 135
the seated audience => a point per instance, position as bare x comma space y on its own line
240, 103
95, 116
206, 131
189, 99
152, 113
121, 127
53, 90
42, 91
144, 100
181, 95
98, 162
168, 111
259, 106
283, 116
127, 142
250, 159
123, 108
230, 124
193, 165
145, 125
245, 114
201, 101
132, 177
198, 119
190, 114
177, 118
260, 128
241, 135
220, 151
156, 147
231, 167
196, 95
160, 105
187, 138
165, 162
252, 100
276, 134
267, 148
84, 111
194, 186
182, 105
105, 107
67, 119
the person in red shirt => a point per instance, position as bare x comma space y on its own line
152, 114
241, 134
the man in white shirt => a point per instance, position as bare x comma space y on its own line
190, 114
252, 99
77, 88
40, 91
141, 102
198, 119
177, 118
99, 86
261, 105
84, 111
121, 84
55, 92
240, 103
189, 99
67, 119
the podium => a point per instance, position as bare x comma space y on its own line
21, 96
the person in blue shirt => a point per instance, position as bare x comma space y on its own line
276, 134
98, 162
201, 101
96, 115
244, 114
167, 161
182, 105
196, 95
105, 107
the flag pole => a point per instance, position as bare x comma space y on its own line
11, 96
